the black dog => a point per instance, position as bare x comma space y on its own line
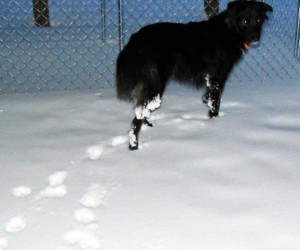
199, 53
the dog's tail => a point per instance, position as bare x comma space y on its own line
126, 75
137, 75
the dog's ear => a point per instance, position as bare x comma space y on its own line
233, 8
265, 7
235, 5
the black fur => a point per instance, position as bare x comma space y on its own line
195, 53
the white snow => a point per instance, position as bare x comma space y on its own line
69, 182
83, 239
3, 243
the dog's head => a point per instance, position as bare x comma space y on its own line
247, 18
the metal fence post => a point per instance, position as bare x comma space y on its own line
41, 13
120, 24
297, 42
103, 20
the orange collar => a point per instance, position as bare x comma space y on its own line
246, 46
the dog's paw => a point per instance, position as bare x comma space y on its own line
146, 122
205, 99
133, 147
212, 114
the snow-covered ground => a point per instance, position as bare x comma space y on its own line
68, 181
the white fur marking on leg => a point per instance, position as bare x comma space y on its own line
139, 112
154, 104
210, 105
132, 139
209, 101
142, 112
208, 83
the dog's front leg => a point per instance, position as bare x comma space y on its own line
212, 98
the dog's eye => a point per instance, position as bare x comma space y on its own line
245, 21
258, 20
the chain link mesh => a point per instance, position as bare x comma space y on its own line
73, 44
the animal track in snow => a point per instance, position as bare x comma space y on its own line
82, 239
15, 224
153, 245
94, 196
21, 191
95, 152
84, 216
63, 248
53, 192
57, 178
119, 140
56, 188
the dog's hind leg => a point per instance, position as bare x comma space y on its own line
212, 96
142, 114
205, 97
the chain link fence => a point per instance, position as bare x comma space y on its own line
51, 45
